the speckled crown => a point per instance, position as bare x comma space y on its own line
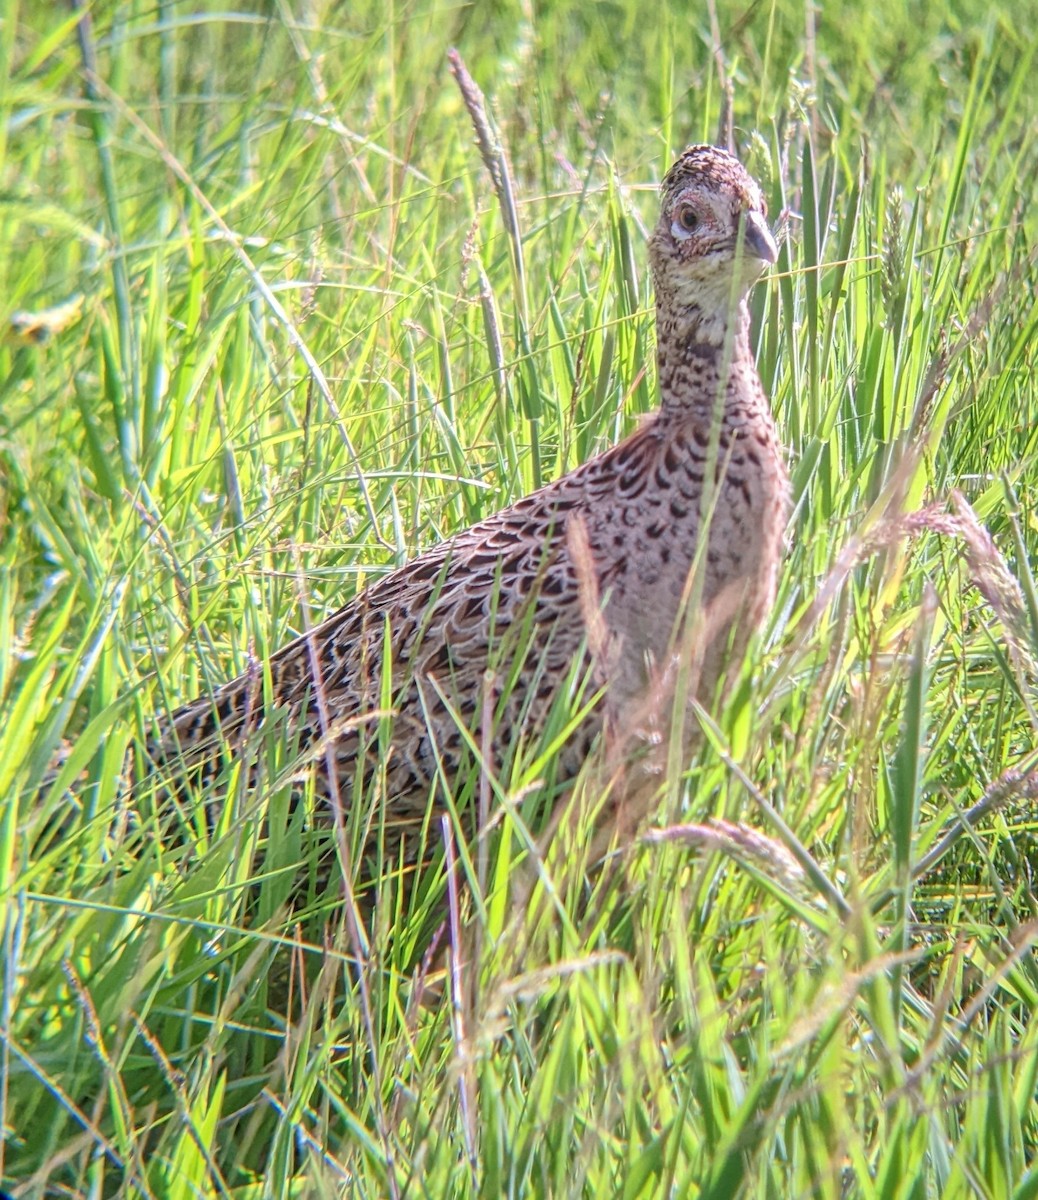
714, 167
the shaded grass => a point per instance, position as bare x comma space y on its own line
178, 495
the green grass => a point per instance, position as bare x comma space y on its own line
305, 349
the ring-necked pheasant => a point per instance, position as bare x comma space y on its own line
606, 568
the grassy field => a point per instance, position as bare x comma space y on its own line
267, 336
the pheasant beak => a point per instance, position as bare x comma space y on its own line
757, 239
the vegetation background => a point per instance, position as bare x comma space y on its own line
267, 336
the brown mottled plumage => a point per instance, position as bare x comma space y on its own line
595, 569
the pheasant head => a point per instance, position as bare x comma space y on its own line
711, 242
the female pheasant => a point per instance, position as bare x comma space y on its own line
663, 549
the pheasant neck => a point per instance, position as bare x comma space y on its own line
696, 350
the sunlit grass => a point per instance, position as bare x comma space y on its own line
304, 350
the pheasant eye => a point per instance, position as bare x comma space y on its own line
687, 218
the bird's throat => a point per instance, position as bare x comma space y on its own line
694, 346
